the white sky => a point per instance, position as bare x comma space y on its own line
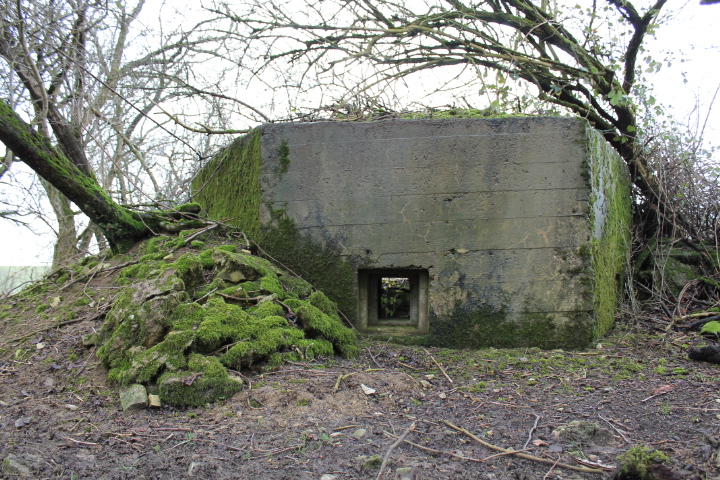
691, 79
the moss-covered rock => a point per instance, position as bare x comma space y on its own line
204, 381
157, 334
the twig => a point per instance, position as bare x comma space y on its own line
78, 441
276, 451
97, 315
79, 370
93, 273
505, 453
613, 427
551, 468
521, 455
596, 465
229, 447
674, 320
698, 323
300, 370
245, 299
373, 357
178, 444
408, 366
656, 395
206, 295
537, 419
392, 447
340, 379
432, 450
203, 230
439, 366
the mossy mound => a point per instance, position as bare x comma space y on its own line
637, 462
178, 325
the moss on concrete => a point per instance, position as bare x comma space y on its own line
484, 327
610, 223
228, 187
450, 113
283, 158
320, 265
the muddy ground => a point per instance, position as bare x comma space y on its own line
60, 419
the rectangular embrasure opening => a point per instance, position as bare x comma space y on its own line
393, 300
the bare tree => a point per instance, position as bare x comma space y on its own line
110, 96
587, 60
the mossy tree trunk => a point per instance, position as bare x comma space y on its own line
121, 227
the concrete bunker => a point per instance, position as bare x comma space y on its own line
488, 232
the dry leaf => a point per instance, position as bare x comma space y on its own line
661, 390
540, 443
367, 390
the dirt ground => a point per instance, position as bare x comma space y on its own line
60, 419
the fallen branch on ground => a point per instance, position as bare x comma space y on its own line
439, 366
392, 447
521, 455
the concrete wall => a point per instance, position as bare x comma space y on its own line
499, 214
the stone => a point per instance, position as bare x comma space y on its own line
21, 465
12, 466
22, 421
154, 401
359, 433
134, 397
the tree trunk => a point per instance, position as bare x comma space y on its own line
121, 227
65, 250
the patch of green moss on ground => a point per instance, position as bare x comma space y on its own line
138, 271
633, 464
189, 268
144, 365
42, 307
295, 287
155, 245
222, 323
267, 338
267, 309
